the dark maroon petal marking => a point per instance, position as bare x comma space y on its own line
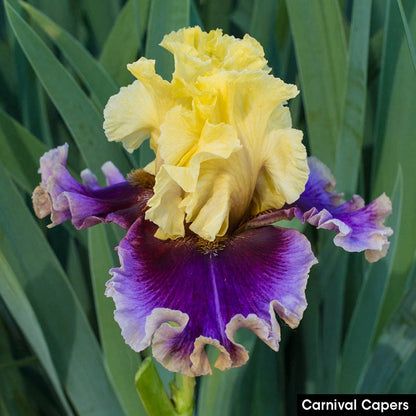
359, 226
208, 293
64, 198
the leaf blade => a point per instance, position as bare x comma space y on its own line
352, 124
122, 361
165, 17
361, 332
20, 156
22, 312
91, 72
321, 54
72, 344
393, 141
82, 119
124, 40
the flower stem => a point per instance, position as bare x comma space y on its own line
151, 390
182, 389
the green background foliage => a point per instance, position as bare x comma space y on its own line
61, 353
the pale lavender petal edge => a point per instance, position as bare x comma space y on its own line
359, 227
63, 198
160, 282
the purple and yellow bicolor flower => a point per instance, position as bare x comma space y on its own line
200, 258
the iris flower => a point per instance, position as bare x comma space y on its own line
200, 258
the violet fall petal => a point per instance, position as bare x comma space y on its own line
63, 198
208, 294
359, 227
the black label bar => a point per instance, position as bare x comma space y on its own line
356, 404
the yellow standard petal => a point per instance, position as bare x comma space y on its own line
165, 206
185, 146
283, 173
137, 111
197, 53
234, 154
253, 102
223, 137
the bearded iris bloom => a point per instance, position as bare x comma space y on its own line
200, 258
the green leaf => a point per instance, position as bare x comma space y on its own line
321, 55
91, 72
101, 14
352, 124
331, 272
194, 18
122, 361
394, 144
71, 342
361, 332
263, 22
31, 100
241, 15
215, 396
22, 312
20, 152
61, 12
408, 33
124, 41
82, 119
411, 277
258, 393
216, 14
311, 329
404, 381
285, 44
7, 74
151, 390
165, 17
391, 364
45, 127
13, 401
75, 270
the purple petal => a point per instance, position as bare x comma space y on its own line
208, 291
64, 198
359, 226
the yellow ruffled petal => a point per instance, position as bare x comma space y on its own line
130, 116
179, 134
197, 52
165, 206
137, 111
144, 70
221, 197
186, 140
150, 168
284, 171
233, 153
186, 146
279, 119
212, 220
249, 98
253, 103
221, 132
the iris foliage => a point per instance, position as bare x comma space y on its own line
61, 353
